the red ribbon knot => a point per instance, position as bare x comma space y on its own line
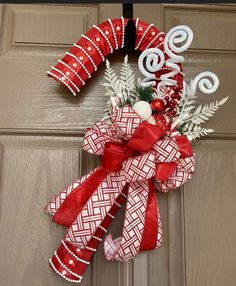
142, 140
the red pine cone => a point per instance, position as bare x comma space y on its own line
160, 121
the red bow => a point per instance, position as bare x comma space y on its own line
128, 168
114, 155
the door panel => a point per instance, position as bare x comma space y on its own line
204, 25
210, 206
205, 207
41, 130
31, 29
35, 162
33, 168
42, 104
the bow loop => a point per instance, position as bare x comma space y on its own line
139, 168
184, 145
182, 173
175, 162
126, 121
96, 138
166, 150
188, 163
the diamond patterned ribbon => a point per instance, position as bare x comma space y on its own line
88, 206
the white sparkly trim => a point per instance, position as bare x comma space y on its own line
114, 33
154, 39
62, 81
71, 69
123, 195
83, 50
66, 268
80, 62
143, 36
65, 76
136, 24
117, 204
76, 257
161, 44
171, 69
98, 238
111, 216
105, 37
95, 46
103, 228
63, 276
123, 32
90, 248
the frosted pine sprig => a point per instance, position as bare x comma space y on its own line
127, 78
111, 77
188, 99
198, 132
203, 113
119, 90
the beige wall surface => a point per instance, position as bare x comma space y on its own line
41, 131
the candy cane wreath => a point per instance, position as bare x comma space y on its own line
144, 140
84, 57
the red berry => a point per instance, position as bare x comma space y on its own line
176, 95
167, 105
174, 109
175, 88
174, 112
173, 104
167, 98
157, 105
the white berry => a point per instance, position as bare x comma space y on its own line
143, 109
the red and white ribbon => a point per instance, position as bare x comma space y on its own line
134, 181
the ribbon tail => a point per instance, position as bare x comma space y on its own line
127, 246
152, 234
142, 226
57, 200
68, 204
70, 261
